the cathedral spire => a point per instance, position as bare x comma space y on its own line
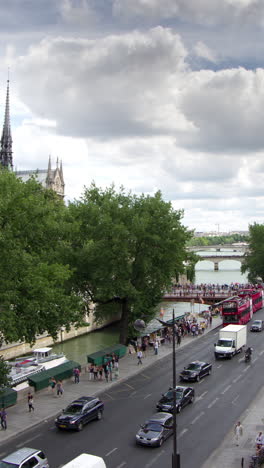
6, 153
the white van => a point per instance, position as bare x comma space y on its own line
86, 461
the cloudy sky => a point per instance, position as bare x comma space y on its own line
149, 94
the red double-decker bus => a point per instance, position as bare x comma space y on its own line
256, 295
237, 310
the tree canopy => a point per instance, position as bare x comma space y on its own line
125, 251
34, 287
254, 259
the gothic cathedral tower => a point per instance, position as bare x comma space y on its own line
6, 154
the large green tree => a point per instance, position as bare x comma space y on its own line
125, 251
34, 294
254, 259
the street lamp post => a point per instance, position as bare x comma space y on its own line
139, 325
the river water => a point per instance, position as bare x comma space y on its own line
77, 349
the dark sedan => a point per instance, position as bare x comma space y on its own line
257, 326
195, 371
79, 413
184, 396
155, 430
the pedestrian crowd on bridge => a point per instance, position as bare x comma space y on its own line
209, 290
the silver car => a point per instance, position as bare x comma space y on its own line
25, 458
155, 430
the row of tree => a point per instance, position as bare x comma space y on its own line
217, 240
111, 248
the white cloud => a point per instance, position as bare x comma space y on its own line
205, 52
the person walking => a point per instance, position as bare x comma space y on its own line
179, 337
106, 371
52, 383
91, 371
30, 402
95, 372
139, 356
59, 388
238, 431
3, 417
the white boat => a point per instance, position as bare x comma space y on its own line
42, 359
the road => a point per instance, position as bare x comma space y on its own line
201, 426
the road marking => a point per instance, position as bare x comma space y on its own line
200, 397
147, 396
226, 389
235, 399
111, 451
28, 440
133, 393
254, 360
154, 459
183, 432
212, 403
122, 464
237, 378
197, 417
129, 386
261, 352
246, 369
218, 367
109, 396
146, 376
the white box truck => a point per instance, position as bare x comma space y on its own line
86, 460
231, 341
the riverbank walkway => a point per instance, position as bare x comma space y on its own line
48, 406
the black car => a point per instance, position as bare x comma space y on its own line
155, 430
195, 371
79, 413
184, 396
257, 326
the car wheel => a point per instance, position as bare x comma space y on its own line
99, 415
161, 441
198, 378
80, 427
179, 409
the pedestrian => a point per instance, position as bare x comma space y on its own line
30, 402
179, 337
101, 373
210, 319
95, 372
3, 417
156, 347
59, 388
238, 431
143, 348
91, 371
76, 373
116, 373
139, 356
259, 441
106, 371
52, 383
116, 362
111, 367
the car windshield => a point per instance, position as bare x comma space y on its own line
193, 366
224, 343
152, 426
257, 322
73, 409
4, 464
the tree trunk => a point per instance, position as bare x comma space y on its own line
124, 322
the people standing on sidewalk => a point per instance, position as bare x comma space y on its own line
156, 347
76, 373
52, 383
139, 356
100, 373
238, 431
3, 417
30, 402
59, 388
259, 441
143, 348
179, 337
111, 367
106, 371
91, 372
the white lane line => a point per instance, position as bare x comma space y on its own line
203, 394
237, 378
154, 459
133, 393
218, 367
246, 369
28, 440
129, 386
212, 403
197, 417
241, 359
147, 396
146, 376
226, 389
254, 360
111, 451
235, 399
261, 352
183, 432
121, 464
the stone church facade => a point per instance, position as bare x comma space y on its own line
49, 178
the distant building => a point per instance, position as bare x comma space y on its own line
49, 178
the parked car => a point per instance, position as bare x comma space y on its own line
184, 396
155, 430
195, 371
79, 413
257, 326
25, 458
